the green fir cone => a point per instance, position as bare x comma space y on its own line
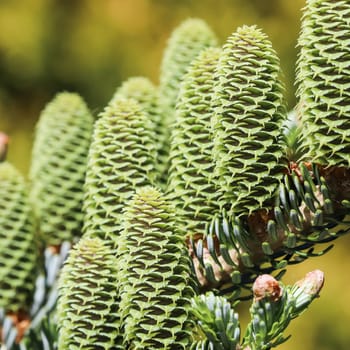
184, 44
156, 279
248, 119
19, 247
57, 174
121, 159
191, 185
87, 309
147, 95
323, 78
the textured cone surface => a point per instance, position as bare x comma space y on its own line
249, 112
156, 283
191, 185
184, 44
323, 77
62, 140
147, 95
87, 309
19, 249
121, 159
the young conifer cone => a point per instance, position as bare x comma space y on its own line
87, 309
323, 77
191, 185
249, 113
156, 283
184, 44
57, 174
19, 246
147, 95
121, 159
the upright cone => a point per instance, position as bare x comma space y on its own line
156, 283
249, 112
323, 78
59, 161
19, 245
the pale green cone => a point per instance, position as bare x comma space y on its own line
147, 95
191, 183
57, 173
121, 159
19, 254
248, 118
323, 78
156, 282
185, 43
87, 309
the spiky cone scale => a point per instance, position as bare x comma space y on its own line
57, 173
191, 185
156, 282
19, 255
185, 43
248, 115
147, 95
87, 308
121, 159
323, 78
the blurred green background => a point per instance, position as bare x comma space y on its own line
91, 46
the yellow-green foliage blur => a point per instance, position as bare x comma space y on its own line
91, 46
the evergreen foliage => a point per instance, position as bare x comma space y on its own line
273, 308
272, 311
218, 322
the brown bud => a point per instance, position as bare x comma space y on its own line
312, 283
265, 286
55, 249
21, 321
4, 140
